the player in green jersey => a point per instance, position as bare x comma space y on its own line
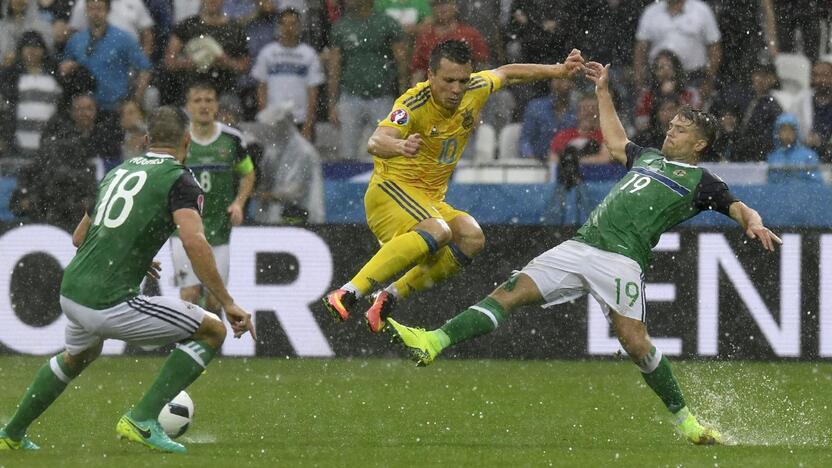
217, 156
608, 255
139, 205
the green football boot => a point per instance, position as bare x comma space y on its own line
148, 433
422, 345
6, 443
697, 433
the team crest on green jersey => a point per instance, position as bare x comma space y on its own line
680, 173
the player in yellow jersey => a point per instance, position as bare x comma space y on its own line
415, 149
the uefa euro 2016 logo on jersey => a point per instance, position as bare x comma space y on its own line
399, 117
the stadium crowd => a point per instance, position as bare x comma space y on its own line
78, 77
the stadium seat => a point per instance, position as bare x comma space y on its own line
485, 144
794, 71
509, 141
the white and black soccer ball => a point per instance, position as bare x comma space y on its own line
177, 415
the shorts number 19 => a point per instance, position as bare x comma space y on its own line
631, 291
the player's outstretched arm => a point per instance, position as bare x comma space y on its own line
192, 234
386, 143
615, 138
514, 73
752, 223
80, 232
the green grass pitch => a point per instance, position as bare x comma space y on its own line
382, 412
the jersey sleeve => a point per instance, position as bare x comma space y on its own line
633, 152
713, 194
186, 193
401, 116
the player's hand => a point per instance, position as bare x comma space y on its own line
410, 146
766, 237
235, 212
598, 74
573, 64
153, 271
240, 321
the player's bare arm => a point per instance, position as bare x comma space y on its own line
80, 232
615, 138
235, 209
192, 234
387, 143
524, 72
752, 223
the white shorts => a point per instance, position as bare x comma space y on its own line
146, 321
574, 269
184, 275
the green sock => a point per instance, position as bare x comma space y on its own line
479, 319
182, 367
662, 380
48, 384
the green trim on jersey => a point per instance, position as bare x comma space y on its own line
130, 223
655, 195
214, 162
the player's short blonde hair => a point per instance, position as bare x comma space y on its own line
166, 126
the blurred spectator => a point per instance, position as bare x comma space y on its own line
409, 13
208, 47
687, 28
291, 187
230, 111
482, 16
239, 10
725, 147
538, 31
112, 56
758, 116
290, 71
134, 128
60, 186
131, 16
667, 81
821, 105
29, 96
748, 37
56, 13
798, 26
184, 9
367, 69
17, 16
576, 154
445, 26
544, 116
664, 109
262, 28
791, 160
161, 12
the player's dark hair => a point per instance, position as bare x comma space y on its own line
705, 123
166, 126
454, 50
203, 85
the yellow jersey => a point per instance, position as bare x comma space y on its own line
444, 134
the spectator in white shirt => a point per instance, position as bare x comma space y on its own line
289, 71
687, 28
130, 16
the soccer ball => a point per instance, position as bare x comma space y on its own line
177, 415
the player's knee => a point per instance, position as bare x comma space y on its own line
474, 243
212, 330
438, 229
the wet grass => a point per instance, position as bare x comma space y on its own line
379, 412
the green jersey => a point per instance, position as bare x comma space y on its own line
215, 162
132, 219
655, 195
